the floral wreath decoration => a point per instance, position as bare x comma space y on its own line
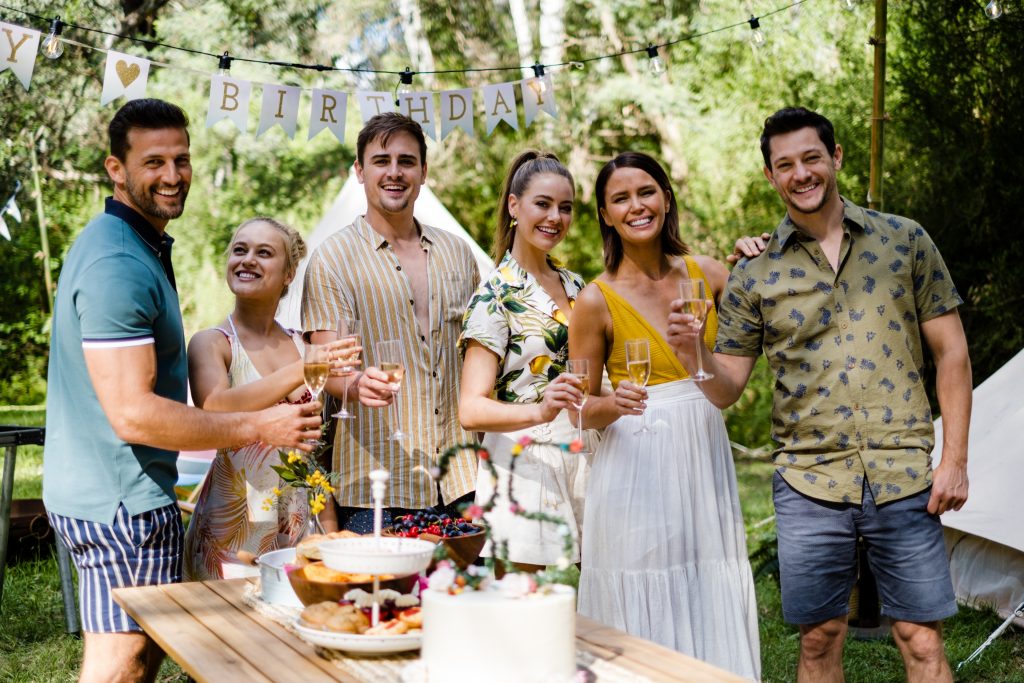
448, 575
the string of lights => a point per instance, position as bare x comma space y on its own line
53, 47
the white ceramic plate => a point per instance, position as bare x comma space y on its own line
368, 555
353, 642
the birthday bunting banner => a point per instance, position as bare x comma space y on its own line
439, 113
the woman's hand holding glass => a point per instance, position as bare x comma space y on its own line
563, 393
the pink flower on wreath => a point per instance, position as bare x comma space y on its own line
483, 454
524, 441
474, 511
515, 508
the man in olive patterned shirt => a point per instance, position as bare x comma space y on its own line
843, 303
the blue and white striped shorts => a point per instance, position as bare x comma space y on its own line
133, 551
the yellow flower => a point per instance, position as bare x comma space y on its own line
560, 317
276, 491
540, 364
293, 457
516, 449
327, 487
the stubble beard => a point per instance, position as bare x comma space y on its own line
142, 198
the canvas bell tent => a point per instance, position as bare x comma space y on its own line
350, 203
985, 538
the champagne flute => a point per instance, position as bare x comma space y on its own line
580, 368
389, 360
348, 328
638, 367
316, 366
695, 302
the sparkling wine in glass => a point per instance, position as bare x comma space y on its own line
580, 369
695, 302
316, 366
348, 328
638, 367
389, 360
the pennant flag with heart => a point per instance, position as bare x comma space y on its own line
229, 99
18, 49
500, 105
125, 76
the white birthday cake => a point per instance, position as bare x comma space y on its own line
490, 635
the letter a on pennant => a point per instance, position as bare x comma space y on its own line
500, 105
229, 99
280, 106
124, 76
18, 49
456, 111
328, 111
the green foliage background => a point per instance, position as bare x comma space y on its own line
954, 102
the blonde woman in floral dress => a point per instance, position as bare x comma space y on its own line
248, 362
515, 347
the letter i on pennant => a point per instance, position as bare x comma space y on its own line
280, 107
18, 49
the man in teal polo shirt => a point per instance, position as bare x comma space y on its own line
842, 303
116, 413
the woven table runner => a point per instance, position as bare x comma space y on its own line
389, 668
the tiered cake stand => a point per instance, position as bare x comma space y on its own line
375, 555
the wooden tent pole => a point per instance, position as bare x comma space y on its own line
878, 115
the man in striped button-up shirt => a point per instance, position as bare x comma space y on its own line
404, 281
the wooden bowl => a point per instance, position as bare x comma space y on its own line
311, 592
463, 550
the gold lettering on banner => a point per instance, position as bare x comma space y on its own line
233, 96
500, 99
280, 104
14, 48
537, 86
328, 103
127, 73
377, 99
421, 109
451, 106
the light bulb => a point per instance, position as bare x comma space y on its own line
405, 86
53, 46
538, 85
656, 65
993, 10
848, 5
757, 38
224, 65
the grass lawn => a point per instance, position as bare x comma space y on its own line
34, 647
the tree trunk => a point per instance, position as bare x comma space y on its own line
524, 36
670, 135
420, 54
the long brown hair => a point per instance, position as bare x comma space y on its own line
671, 243
523, 169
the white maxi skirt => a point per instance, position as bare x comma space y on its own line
546, 479
664, 548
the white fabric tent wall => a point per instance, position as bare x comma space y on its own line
350, 203
985, 538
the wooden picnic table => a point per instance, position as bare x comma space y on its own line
207, 628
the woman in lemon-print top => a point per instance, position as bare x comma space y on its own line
515, 345
664, 548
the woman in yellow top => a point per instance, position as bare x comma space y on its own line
664, 549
